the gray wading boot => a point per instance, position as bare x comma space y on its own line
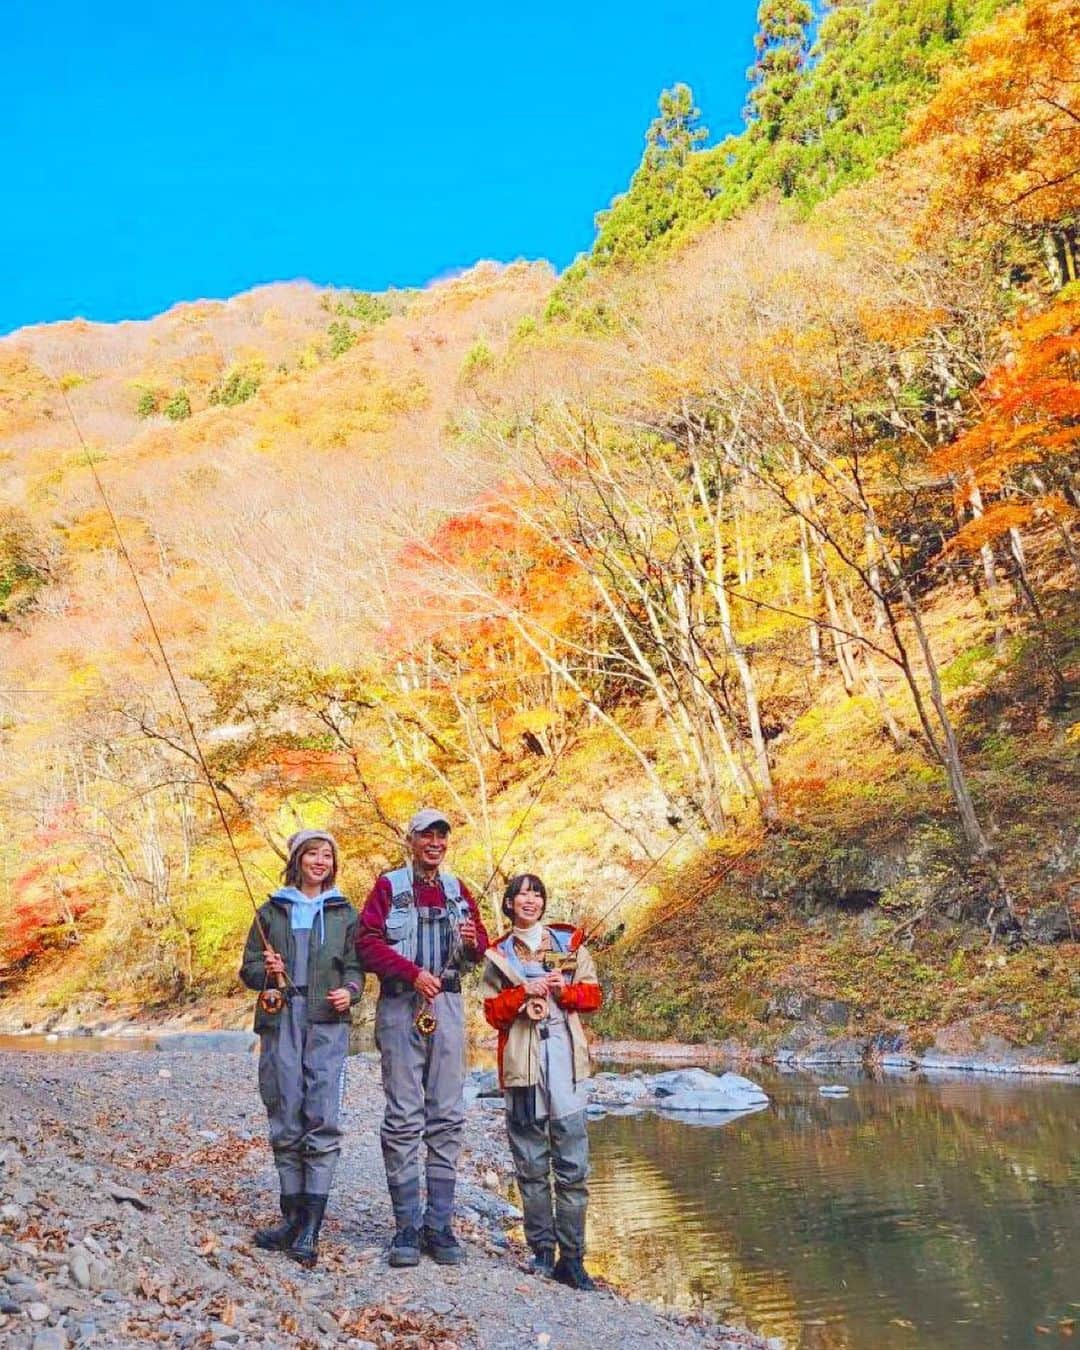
405, 1248
570, 1270
442, 1246
280, 1237
305, 1246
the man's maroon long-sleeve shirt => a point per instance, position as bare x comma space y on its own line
376, 954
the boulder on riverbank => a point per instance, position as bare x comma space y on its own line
481, 1083
698, 1090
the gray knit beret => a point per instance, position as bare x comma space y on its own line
302, 837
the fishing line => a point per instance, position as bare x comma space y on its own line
671, 913
200, 757
525, 815
637, 881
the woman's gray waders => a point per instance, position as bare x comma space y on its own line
301, 1082
545, 1150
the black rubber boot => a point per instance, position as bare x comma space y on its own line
442, 1246
543, 1262
305, 1246
570, 1270
280, 1237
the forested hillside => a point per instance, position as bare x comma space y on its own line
740, 561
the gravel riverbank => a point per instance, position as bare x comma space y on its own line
129, 1186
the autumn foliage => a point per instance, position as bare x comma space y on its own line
734, 526
1021, 451
1005, 124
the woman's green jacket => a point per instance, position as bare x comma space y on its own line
332, 963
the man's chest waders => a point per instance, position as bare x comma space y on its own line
422, 1049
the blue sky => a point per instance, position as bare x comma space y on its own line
155, 153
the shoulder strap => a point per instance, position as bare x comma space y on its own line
456, 904
401, 886
562, 936
505, 967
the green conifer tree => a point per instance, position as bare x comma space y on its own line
783, 45
655, 200
676, 133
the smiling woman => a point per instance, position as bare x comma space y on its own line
538, 980
305, 939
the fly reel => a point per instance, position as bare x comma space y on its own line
564, 962
536, 1009
425, 1020
271, 1002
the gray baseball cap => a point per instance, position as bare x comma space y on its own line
423, 820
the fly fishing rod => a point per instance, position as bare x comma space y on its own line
271, 999
567, 961
534, 798
671, 913
636, 883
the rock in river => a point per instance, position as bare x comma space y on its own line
221, 1042
697, 1090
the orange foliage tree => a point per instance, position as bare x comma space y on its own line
483, 609
52, 891
1022, 450
1005, 128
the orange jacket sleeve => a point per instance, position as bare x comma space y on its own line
501, 1009
582, 998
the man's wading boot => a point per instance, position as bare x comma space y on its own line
405, 1248
279, 1238
570, 1270
442, 1246
543, 1262
305, 1246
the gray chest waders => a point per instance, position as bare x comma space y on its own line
427, 935
423, 1064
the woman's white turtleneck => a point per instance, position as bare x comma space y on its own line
530, 937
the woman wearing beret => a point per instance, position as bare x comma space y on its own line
305, 940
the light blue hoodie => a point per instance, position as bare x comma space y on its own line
304, 911
305, 917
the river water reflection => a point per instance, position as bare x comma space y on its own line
909, 1214
74, 1044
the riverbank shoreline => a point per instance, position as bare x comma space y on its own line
823, 1058
128, 1197
819, 1055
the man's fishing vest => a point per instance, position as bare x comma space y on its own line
422, 933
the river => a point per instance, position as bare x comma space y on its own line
916, 1212
911, 1213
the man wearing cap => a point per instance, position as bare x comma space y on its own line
418, 929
